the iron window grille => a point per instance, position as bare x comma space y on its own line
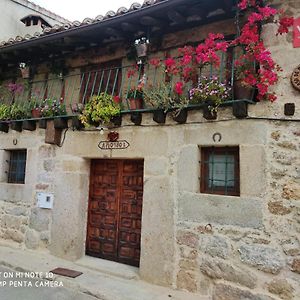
220, 171
17, 166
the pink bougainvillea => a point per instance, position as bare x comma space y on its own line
255, 67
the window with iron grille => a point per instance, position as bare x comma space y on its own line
220, 171
17, 166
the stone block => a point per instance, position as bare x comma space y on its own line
187, 238
296, 265
188, 253
224, 210
155, 166
39, 219
46, 151
252, 171
188, 264
188, 169
186, 281
31, 239
217, 269
264, 258
227, 292
277, 208
291, 247
215, 246
12, 222
69, 215
18, 211
49, 165
282, 288
291, 191
13, 234
157, 245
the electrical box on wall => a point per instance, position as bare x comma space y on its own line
45, 200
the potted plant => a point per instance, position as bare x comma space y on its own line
4, 117
51, 108
135, 98
77, 109
179, 103
17, 113
100, 110
160, 99
211, 93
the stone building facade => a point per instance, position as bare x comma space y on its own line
229, 247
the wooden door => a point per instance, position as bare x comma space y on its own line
115, 210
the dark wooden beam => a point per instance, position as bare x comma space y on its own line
150, 21
176, 17
129, 27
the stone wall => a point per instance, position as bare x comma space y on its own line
235, 248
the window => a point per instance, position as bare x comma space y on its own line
220, 172
17, 165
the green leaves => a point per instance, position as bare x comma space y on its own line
99, 110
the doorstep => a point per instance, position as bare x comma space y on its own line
108, 267
97, 284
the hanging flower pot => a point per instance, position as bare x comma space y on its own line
4, 127
25, 71
159, 116
43, 123
136, 118
29, 125
208, 113
117, 120
60, 123
181, 116
240, 109
16, 125
141, 49
76, 123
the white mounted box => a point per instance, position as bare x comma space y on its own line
45, 200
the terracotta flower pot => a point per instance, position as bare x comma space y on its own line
36, 113
135, 104
242, 92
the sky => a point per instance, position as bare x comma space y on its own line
80, 9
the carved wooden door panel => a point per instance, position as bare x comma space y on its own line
115, 210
